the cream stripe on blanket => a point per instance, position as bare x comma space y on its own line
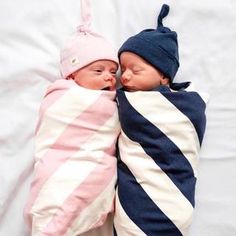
75, 169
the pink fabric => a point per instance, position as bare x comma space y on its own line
86, 13
89, 122
75, 203
55, 94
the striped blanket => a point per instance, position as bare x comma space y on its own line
161, 134
75, 170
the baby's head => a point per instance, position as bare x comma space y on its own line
90, 60
150, 58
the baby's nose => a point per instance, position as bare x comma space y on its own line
125, 76
108, 76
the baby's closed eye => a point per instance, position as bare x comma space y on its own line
136, 69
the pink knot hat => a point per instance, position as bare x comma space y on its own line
85, 46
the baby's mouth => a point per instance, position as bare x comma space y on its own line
106, 88
109, 88
129, 88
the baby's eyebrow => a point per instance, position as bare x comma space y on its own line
97, 67
133, 64
115, 68
136, 67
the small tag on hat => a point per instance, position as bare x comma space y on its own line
74, 61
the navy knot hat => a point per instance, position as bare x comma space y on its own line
159, 46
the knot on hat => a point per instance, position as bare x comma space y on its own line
83, 29
163, 13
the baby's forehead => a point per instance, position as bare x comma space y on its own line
131, 59
103, 63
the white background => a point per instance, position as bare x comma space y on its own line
31, 35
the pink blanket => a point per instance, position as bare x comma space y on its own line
75, 169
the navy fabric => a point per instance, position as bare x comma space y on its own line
136, 203
158, 146
159, 47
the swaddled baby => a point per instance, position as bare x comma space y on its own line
74, 179
162, 127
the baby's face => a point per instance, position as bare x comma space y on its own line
99, 75
138, 75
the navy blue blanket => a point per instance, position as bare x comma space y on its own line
162, 132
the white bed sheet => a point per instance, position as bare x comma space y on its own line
31, 34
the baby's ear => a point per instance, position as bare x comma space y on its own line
70, 77
165, 80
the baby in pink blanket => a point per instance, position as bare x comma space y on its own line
73, 187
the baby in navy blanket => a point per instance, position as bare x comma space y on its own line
163, 124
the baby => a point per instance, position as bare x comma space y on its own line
73, 187
162, 127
